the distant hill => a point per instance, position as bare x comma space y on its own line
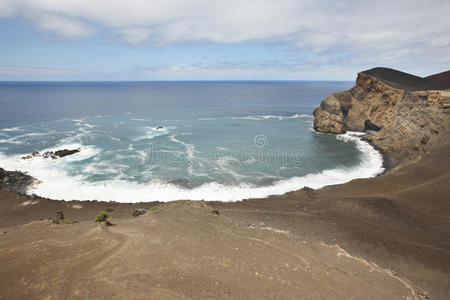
405, 81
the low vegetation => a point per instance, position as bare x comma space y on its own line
101, 217
67, 221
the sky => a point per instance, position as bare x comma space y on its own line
104, 40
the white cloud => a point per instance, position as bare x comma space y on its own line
382, 32
64, 26
135, 35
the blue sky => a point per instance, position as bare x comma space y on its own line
219, 40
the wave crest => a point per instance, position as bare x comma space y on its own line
56, 184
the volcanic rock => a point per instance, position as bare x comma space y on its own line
139, 212
15, 181
406, 112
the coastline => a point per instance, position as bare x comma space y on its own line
388, 164
383, 237
380, 219
23, 183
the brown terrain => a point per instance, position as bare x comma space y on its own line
386, 237
404, 116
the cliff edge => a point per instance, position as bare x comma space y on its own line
404, 115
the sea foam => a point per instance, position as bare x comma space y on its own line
57, 184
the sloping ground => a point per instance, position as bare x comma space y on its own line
400, 220
385, 237
405, 81
381, 238
442, 78
182, 250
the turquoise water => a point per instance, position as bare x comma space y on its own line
219, 140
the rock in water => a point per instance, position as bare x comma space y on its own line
329, 117
65, 152
53, 155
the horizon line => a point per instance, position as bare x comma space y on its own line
169, 80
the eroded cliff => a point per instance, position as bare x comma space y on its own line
402, 122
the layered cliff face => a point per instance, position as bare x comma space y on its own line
404, 123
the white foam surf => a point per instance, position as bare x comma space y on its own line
21, 139
262, 117
11, 129
57, 184
149, 132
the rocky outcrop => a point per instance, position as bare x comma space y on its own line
52, 154
404, 123
19, 182
139, 212
15, 181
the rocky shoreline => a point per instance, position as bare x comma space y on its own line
405, 122
388, 165
20, 182
402, 115
15, 181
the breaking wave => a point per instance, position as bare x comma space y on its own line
57, 184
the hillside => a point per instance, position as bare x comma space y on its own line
405, 81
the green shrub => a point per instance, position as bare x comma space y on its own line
101, 217
66, 221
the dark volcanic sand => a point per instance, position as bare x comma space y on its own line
383, 238
405, 81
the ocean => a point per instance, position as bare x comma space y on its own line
163, 141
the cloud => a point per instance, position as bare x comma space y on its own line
306, 22
135, 35
38, 73
64, 26
15, 72
383, 32
244, 70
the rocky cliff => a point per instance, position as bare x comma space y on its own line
403, 114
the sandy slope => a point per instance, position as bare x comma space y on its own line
182, 250
381, 238
401, 220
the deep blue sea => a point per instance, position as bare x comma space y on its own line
219, 140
